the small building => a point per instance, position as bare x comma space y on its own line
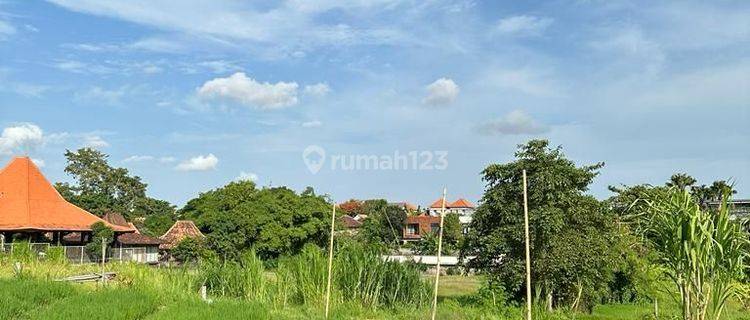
738, 208
134, 246
462, 207
417, 226
180, 230
351, 225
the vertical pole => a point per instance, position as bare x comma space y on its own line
104, 252
330, 260
2, 242
528, 254
439, 254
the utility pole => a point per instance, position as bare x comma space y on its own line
330, 260
528, 254
439, 253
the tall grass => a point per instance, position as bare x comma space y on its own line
20, 296
704, 253
240, 279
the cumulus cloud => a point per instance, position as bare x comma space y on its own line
199, 163
516, 122
247, 176
442, 91
523, 25
94, 141
138, 158
244, 90
312, 124
318, 89
23, 137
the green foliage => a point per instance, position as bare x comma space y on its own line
383, 224
242, 278
571, 233
99, 232
108, 304
190, 250
100, 188
20, 296
703, 253
272, 221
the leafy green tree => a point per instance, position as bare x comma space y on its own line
100, 188
190, 250
384, 223
452, 233
571, 233
681, 181
273, 221
99, 232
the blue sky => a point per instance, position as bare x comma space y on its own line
192, 95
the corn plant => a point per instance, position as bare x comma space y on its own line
703, 252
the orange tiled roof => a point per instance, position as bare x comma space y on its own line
29, 202
461, 203
439, 203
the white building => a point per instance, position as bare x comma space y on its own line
462, 207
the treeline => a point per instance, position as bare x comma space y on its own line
585, 251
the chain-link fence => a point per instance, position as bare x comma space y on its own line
81, 255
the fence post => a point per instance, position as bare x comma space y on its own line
2, 242
104, 256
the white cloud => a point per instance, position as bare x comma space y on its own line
312, 124
199, 163
23, 137
247, 176
94, 141
239, 88
442, 91
523, 25
528, 81
6, 30
167, 159
318, 89
137, 158
220, 66
99, 95
516, 122
38, 162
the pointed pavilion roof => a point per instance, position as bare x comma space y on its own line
180, 230
29, 202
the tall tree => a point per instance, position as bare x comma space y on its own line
384, 222
571, 233
273, 221
681, 181
100, 188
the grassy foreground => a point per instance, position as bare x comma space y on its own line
141, 292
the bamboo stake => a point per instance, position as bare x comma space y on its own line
104, 253
528, 258
330, 260
439, 253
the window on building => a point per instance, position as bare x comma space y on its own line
435, 227
412, 229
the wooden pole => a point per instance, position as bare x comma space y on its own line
104, 256
330, 260
439, 254
528, 254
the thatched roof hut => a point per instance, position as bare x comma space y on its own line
180, 230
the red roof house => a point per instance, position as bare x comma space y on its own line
28, 202
417, 226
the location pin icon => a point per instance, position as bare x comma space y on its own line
314, 158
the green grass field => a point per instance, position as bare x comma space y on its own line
141, 292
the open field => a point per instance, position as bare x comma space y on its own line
141, 292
